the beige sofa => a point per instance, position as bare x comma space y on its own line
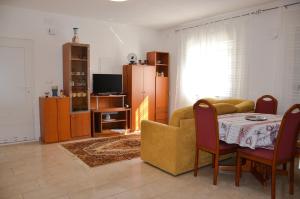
172, 147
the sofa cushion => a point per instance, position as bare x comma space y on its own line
225, 108
230, 101
245, 106
180, 114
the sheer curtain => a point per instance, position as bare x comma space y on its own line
291, 42
245, 57
211, 62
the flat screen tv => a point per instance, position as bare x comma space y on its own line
107, 84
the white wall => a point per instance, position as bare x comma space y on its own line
264, 52
110, 44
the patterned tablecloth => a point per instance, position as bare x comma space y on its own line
235, 129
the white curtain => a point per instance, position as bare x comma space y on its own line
210, 62
291, 52
246, 57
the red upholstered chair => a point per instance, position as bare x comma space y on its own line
284, 149
207, 135
266, 104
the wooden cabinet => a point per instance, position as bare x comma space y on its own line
80, 125
139, 85
54, 119
76, 69
161, 61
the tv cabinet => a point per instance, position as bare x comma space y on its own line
114, 106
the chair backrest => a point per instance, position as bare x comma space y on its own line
285, 145
206, 123
266, 104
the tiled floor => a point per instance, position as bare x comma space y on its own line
30, 171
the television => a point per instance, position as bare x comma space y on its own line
105, 84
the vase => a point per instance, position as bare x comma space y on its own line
75, 38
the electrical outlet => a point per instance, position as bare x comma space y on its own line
51, 31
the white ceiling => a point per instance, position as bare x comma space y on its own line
157, 14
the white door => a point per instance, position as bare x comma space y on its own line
16, 104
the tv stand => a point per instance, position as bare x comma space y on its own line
107, 94
114, 106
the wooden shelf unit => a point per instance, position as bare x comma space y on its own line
161, 61
76, 77
113, 105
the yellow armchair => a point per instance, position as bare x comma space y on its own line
172, 147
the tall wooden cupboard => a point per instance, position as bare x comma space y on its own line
139, 86
161, 62
76, 74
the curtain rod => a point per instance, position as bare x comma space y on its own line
257, 12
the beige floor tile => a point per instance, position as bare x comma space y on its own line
33, 170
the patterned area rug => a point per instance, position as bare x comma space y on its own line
106, 150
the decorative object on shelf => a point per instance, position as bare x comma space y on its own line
145, 61
75, 38
107, 116
132, 58
47, 93
140, 61
54, 91
61, 93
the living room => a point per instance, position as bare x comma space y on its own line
228, 52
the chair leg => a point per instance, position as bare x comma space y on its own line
273, 181
291, 177
216, 168
213, 159
238, 170
196, 162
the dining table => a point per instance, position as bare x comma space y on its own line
237, 129
252, 130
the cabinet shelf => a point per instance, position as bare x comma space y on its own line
78, 59
118, 109
112, 121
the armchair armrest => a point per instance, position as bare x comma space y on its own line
158, 144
